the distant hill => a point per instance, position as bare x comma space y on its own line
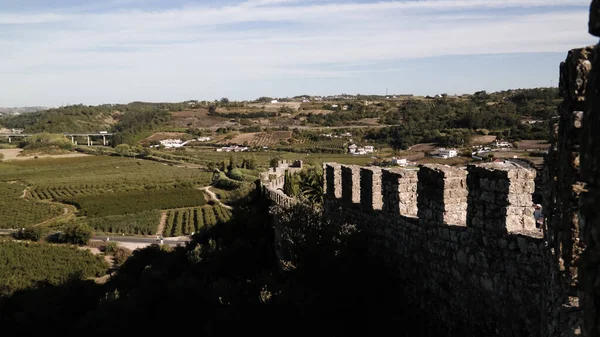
23, 109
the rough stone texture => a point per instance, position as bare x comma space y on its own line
399, 190
333, 179
442, 195
589, 217
479, 281
351, 184
370, 189
563, 187
500, 197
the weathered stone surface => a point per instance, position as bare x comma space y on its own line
333, 180
442, 195
351, 184
399, 191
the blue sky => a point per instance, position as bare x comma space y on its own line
116, 51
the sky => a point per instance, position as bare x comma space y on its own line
59, 52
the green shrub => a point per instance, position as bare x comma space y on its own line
31, 234
111, 247
236, 174
25, 264
78, 234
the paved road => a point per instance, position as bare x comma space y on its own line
126, 239
136, 239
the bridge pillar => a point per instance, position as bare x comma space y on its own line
9, 140
72, 140
88, 140
104, 140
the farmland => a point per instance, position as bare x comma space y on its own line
18, 212
188, 220
260, 138
117, 195
143, 223
120, 203
45, 263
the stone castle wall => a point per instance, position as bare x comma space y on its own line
481, 277
463, 243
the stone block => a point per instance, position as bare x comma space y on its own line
351, 184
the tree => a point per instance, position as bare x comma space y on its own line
123, 149
77, 233
274, 162
224, 100
212, 109
232, 163
31, 234
145, 151
290, 186
311, 186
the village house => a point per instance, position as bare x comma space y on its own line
204, 139
233, 148
445, 153
171, 143
355, 149
501, 143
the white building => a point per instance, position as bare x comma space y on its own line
233, 148
171, 143
502, 144
204, 139
447, 153
274, 101
354, 149
398, 161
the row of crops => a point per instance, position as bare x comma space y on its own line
186, 221
143, 223
322, 144
97, 173
16, 212
120, 203
68, 191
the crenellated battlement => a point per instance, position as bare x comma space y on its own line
495, 196
462, 242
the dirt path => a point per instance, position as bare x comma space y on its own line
24, 193
214, 197
163, 222
68, 210
13, 154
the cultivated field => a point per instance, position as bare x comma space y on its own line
528, 144
17, 154
49, 263
117, 195
260, 138
188, 220
276, 106
18, 212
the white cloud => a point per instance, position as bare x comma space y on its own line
267, 39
